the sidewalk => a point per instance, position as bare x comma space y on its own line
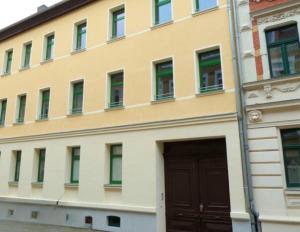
8, 226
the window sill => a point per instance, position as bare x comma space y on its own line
18, 123
47, 61
71, 185
13, 184
163, 101
156, 26
71, 115
115, 39
209, 93
198, 12
114, 108
42, 120
78, 51
24, 69
6, 74
37, 184
113, 187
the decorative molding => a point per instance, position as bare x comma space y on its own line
252, 95
218, 118
288, 89
278, 16
268, 91
255, 116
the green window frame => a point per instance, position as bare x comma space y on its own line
164, 80
116, 90
45, 104
8, 62
27, 55
116, 159
50, 40
81, 30
118, 17
77, 100
75, 164
3, 105
41, 166
210, 63
22, 108
291, 153
18, 166
281, 48
158, 5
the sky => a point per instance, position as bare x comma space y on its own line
12, 11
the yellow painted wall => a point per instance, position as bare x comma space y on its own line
134, 54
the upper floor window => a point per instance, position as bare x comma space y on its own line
21, 109
26, 55
202, 5
8, 61
164, 80
118, 23
49, 47
291, 151
77, 97
163, 11
80, 39
3, 105
45, 100
116, 90
210, 71
284, 50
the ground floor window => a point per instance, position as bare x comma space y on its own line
116, 164
291, 151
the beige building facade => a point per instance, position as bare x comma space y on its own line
106, 105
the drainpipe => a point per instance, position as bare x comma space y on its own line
242, 116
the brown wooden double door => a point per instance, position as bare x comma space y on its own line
197, 191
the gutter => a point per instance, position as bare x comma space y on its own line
242, 117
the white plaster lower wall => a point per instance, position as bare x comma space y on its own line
143, 170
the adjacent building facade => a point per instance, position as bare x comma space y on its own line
270, 66
121, 115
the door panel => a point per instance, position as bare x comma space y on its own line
197, 191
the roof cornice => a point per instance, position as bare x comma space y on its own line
39, 18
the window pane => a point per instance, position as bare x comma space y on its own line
27, 55
292, 160
291, 137
293, 53
75, 165
117, 150
164, 12
116, 90
165, 87
22, 105
50, 46
277, 64
3, 111
206, 4
117, 168
282, 34
41, 169
211, 77
77, 97
120, 28
45, 104
81, 36
18, 166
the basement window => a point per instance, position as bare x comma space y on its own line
114, 221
